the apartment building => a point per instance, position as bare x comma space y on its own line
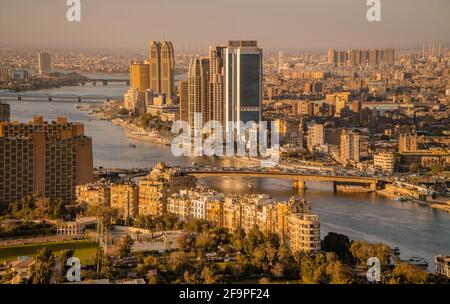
158, 186
442, 265
303, 232
384, 162
315, 136
96, 194
49, 159
125, 198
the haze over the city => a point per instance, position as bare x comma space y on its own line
285, 24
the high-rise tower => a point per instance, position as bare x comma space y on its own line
162, 65
243, 82
44, 62
140, 76
198, 91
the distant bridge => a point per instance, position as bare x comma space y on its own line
34, 96
299, 179
104, 82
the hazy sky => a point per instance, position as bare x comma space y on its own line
275, 24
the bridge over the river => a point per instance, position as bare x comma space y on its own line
299, 178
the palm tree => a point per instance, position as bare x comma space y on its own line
99, 255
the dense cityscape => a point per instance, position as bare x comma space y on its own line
367, 125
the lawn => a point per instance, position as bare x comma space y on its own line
84, 250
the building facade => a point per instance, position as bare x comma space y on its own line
384, 162
5, 112
162, 68
350, 147
158, 186
49, 159
125, 198
243, 83
44, 63
442, 265
96, 194
140, 76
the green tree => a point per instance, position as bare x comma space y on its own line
42, 270
179, 261
197, 226
252, 240
237, 240
337, 272
362, 251
62, 260
313, 269
186, 241
409, 274
339, 244
191, 278
203, 243
208, 275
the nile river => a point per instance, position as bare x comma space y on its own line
415, 229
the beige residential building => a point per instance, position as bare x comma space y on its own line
255, 212
179, 204
303, 107
232, 213
49, 159
158, 186
384, 162
315, 136
125, 198
407, 142
350, 147
442, 265
205, 204
303, 232
95, 194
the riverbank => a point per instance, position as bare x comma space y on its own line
109, 111
436, 204
135, 132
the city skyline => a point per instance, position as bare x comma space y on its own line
290, 142
287, 25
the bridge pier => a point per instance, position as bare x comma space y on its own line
299, 185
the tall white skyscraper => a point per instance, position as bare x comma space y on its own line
243, 82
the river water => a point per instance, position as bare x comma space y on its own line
416, 230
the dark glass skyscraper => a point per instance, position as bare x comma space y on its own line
243, 82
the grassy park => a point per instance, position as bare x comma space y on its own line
84, 250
